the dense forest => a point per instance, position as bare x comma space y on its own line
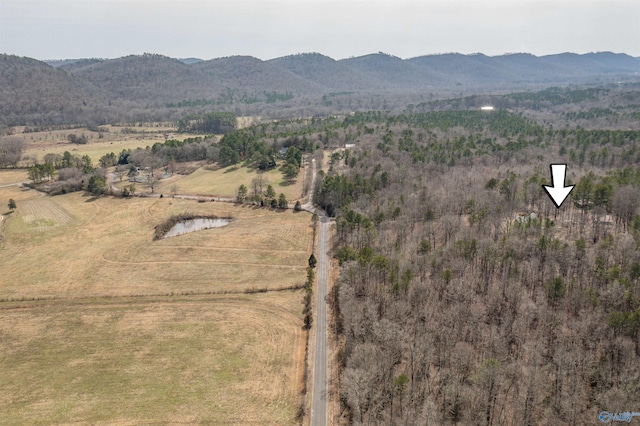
465, 296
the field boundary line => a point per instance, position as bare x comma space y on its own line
234, 248
213, 262
37, 302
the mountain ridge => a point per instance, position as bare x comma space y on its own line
72, 87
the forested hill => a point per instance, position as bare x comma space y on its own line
327, 72
245, 75
373, 72
146, 77
31, 90
140, 86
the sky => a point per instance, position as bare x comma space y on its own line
266, 29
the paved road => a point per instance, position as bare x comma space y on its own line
319, 401
319, 390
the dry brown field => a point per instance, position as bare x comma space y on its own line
55, 142
75, 244
114, 138
11, 176
224, 182
201, 360
101, 324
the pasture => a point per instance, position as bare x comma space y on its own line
40, 144
9, 176
224, 182
95, 150
75, 244
217, 359
101, 324
113, 139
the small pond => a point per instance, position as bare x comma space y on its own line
193, 225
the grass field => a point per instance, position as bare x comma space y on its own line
38, 144
95, 150
101, 324
74, 244
9, 176
216, 360
225, 182
114, 139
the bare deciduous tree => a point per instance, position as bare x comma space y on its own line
11, 149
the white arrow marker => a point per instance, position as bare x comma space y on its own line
558, 192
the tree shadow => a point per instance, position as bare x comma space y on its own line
285, 184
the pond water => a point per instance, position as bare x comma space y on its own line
194, 225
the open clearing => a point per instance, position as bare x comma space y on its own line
220, 360
9, 176
75, 245
224, 182
38, 144
101, 324
95, 150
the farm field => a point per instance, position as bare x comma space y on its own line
115, 139
101, 324
95, 150
9, 176
74, 244
224, 182
218, 359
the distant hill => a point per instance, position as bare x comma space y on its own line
327, 72
72, 63
190, 61
74, 89
246, 75
396, 73
147, 77
57, 63
522, 68
460, 68
33, 92
81, 63
595, 63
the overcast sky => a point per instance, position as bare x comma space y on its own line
56, 29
